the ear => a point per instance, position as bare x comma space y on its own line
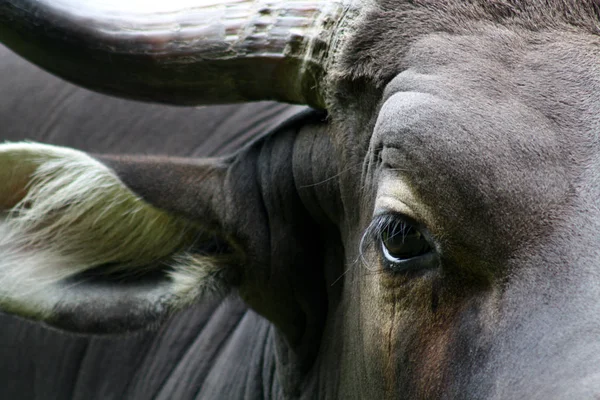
81, 251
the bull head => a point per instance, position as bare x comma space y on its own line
435, 236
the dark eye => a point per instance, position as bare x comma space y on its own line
400, 241
403, 244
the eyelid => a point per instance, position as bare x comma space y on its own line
397, 195
391, 205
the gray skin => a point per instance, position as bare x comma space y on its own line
480, 122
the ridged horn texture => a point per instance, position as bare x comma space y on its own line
184, 52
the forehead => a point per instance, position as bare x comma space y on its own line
485, 131
388, 27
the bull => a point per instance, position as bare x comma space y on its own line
434, 236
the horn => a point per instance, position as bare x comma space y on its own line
184, 52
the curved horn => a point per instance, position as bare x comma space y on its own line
182, 52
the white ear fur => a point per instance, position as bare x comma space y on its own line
72, 214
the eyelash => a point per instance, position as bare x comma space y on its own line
380, 224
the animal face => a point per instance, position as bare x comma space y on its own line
464, 239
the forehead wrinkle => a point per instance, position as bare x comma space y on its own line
403, 133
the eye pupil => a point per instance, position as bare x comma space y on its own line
401, 241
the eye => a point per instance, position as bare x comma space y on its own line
402, 243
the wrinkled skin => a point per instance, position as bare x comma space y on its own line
487, 138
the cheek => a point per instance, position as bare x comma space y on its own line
415, 329
432, 355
